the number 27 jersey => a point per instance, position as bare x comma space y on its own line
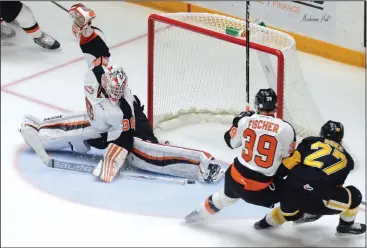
265, 141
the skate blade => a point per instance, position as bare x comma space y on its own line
265, 229
299, 223
347, 234
194, 223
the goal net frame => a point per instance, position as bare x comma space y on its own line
216, 35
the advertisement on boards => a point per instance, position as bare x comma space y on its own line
314, 18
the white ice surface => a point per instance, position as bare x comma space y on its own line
30, 217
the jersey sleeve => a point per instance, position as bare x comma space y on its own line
288, 140
291, 155
94, 47
233, 137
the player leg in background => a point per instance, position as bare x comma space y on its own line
295, 202
253, 192
6, 31
16, 11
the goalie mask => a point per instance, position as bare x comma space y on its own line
114, 81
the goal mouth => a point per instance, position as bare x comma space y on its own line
197, 72
190, 117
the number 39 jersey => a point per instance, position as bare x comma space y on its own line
265, 141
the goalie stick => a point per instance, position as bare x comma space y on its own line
85, 168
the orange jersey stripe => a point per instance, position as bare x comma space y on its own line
248, 184
85, 40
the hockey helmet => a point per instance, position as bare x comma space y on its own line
332, 130
266, 100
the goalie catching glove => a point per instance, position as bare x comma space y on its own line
82, 18
111, 163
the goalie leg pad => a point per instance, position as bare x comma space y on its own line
169, 160
29, 132
110, 165
61, 132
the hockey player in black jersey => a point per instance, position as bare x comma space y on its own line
314, 186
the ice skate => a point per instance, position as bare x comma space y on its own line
307, 218
47, 42
196, 217
354, 229
262, 225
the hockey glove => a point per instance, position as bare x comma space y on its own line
241, 115
82, 20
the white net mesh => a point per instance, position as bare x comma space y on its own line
198, 74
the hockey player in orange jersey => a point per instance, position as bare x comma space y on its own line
256, 174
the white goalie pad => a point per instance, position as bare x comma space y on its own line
169, 160
60, 132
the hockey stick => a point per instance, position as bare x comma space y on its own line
163, 179
54, 163
58, 5
247, 56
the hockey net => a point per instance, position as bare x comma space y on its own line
196, 72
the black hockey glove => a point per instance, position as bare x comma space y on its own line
241, 115
141, 107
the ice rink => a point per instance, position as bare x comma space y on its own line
45, 83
